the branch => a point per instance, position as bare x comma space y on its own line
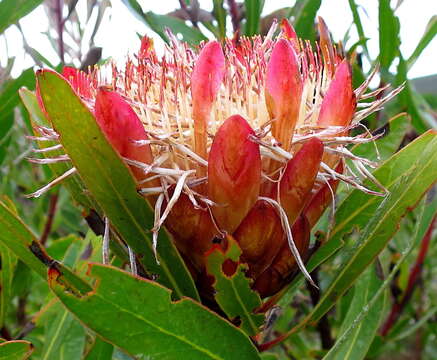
59, 6
323, 326
184, 7
21, 310
50, 216
235, 16
5, 334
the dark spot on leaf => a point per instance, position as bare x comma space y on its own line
217, 240
378, 269
141, 271
229, 267
384, 130
87, 252
272, 316
95, 222
26, 329
53, 274
40, 253
237, 321
431, 195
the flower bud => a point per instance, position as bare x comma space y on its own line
234, 173
298, 178
79, 81
284, 264
283, 92
322, 198
326, 46
260, 236
147, 49
192, 229
339, 103
206, 79
122, 128
288, 31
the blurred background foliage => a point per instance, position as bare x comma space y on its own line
26, 307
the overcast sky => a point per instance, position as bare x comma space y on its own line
117, 34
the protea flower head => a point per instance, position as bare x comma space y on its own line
243, 139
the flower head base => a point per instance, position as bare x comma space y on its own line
242, 139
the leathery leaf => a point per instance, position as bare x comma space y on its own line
232, 287
139, 316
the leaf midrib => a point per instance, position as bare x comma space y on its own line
58, 330
159, 328
246, 313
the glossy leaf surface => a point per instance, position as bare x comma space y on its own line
140, 317
15, 350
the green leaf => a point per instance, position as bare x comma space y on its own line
407, 99
426, 213
232, 291
431, 99
9, 96
425, 109
111, 183
389, 40
220, 15
58, 248
18, 238
8, 262
158, 23
412, 329
15, 350
305, 18
6, 141
394, 133
64, 335
383, 224
8, 101
427, 37
269, 356
138, 316
38, 58
357, 21
22, 242
100, 350
72, 183
13, 10
356, 336
358, 208
253, 14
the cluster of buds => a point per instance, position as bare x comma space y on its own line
245, 139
